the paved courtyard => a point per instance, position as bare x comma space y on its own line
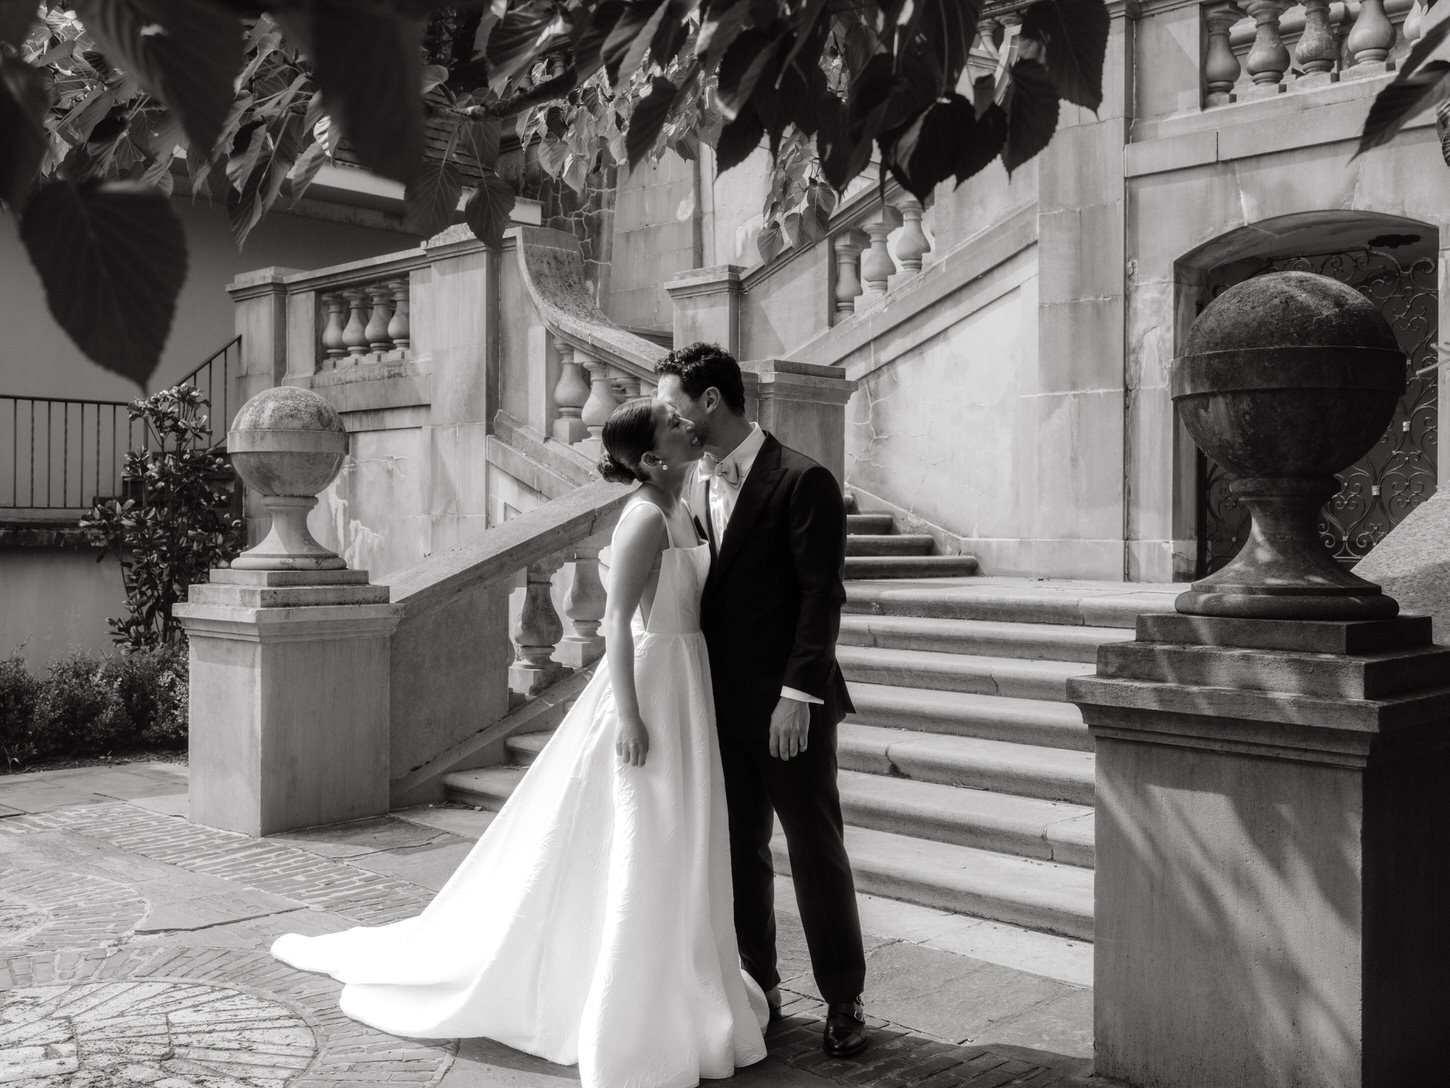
133, 951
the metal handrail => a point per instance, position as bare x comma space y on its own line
65, 453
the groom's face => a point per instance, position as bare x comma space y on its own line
694, 412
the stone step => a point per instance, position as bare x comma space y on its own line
889, 544
1037, 641
910, 566
870, 523
966, 714
1040, 895
487, 787
524, 748
1027, 770
1003, 823
1012, 600
1014, 677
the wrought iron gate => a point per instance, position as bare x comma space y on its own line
1399, 472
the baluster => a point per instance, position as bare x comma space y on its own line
1221, 68
600, 404
848, 269
628, 384
1317, 49
1370, 39
537, 633
398, 330
877, 266
355, 334
1011, 48
1414, 24
377, 327
333, 346
1268, 60
912, 244
987, 27
584, 609
571, 391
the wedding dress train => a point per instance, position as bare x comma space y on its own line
592, 922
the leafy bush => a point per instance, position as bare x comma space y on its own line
19, 697
180, 525
92, 705
80, 709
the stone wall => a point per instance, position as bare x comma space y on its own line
54, 596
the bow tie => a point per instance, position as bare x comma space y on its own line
726, 470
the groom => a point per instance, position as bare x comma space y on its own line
771, 612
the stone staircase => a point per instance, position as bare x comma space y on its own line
966, 778
874, 549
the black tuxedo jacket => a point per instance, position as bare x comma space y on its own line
771, 608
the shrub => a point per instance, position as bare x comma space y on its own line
152, 685
80, 709
19, 699
177, 526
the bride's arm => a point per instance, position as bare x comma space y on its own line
637, 542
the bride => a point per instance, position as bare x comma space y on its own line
592, 922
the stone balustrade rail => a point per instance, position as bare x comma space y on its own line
1261, 48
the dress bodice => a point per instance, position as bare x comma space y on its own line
676, 608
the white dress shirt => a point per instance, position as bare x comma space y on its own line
724, 496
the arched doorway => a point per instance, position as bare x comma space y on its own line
1393, 262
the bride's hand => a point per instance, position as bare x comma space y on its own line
631, 741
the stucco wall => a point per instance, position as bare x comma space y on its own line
54, 600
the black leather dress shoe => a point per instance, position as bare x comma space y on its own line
845, 1028
772, 1002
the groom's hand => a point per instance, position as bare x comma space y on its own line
790, 721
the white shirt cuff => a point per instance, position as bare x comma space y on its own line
800, 696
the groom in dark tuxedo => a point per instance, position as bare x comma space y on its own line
770, 613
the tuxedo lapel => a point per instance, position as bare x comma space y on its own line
756, 488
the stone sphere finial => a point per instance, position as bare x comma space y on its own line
288, 444
1286, 379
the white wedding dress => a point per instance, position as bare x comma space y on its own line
592, 922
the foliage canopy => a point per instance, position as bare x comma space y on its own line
107, 105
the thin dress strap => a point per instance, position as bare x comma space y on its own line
669, 536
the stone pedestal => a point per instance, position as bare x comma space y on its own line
289, 698
803, 405
707, 306
1272, 815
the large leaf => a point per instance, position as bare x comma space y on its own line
24, 98
480, 138
516, 42
1031, 106
1075, 34
925, 152
367, 63
738, 139
648, 119
185, 52
487, 210
745, 62
978, 143
1427, 43
1400, 101
431, 197
624, 50
305, 169
670, 36
112, 259
721, 25
589, 44
272, 151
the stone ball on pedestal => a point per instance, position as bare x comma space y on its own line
287, 444
1284, 380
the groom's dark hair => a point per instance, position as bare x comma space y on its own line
701, 366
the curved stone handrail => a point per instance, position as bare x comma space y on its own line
552, 267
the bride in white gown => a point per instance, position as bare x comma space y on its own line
592, 922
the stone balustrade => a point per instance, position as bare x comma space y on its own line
1261, 48
878, 246
456, 614
364, 323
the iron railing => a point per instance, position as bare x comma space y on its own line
65, 453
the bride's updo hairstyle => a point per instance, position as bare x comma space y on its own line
629, 433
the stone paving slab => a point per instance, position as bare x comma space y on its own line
133, 951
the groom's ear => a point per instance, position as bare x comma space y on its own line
710, 399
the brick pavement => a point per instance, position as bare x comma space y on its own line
133, 951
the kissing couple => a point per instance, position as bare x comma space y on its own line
619, 911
